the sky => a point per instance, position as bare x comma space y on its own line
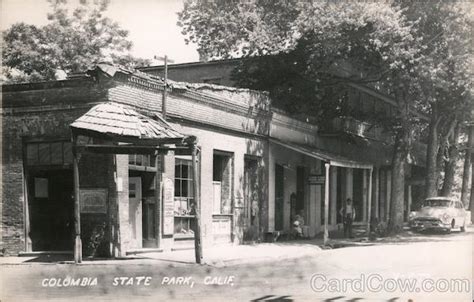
151, 24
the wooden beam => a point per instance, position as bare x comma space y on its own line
157, 209
26, 210
130, 139
130, 149
369, 200
197, 207
77, 209
376, 193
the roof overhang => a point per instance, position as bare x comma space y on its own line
123, 124
330, 158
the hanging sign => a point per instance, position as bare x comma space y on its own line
316, 179
168, 206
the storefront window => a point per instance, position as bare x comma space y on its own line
183, 187
49, 153
183, 197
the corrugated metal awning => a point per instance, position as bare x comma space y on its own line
332, 159
118, 121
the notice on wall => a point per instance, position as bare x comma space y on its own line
316, 179
41, 187
168, 206
93, 200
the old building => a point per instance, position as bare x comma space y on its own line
257, 166
350, 136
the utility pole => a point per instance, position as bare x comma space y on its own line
197, 205
165, 90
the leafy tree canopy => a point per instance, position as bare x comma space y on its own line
306, 39
71, 42
391, 45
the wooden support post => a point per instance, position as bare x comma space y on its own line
157, 209
26, 210
369, 201
376, 193
326, 204
365, 199
197, 207
77, 206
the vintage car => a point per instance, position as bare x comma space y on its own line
439, 213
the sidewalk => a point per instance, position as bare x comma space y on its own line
228, 255
218, 256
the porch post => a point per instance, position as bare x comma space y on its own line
197, 207
26, 211
157, 213
77, 205
376, 193
326, 204
365, 198
369, 200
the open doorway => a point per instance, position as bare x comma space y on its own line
51, 209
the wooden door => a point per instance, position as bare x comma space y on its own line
135, 210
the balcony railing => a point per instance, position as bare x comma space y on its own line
359, 128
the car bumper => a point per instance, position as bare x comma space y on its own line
429, 225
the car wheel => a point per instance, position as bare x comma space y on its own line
463, 227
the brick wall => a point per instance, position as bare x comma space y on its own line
34, 111
16, 126
13, 236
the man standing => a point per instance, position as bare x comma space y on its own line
348, 215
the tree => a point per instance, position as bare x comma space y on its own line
444, 72
70, 42
310, 38
466, 188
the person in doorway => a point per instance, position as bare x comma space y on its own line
254, 210
348, 215
298, 225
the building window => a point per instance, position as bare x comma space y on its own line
222, 183
49, 153
183, 197
183, 186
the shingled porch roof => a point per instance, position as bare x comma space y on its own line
123, 123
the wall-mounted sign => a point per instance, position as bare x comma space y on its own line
316, 179
93, 200
168, 206
41, 187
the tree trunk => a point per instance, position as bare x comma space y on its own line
467, 168
431, 178
398, 184
450, 165
447, 130
400, 154
471, 203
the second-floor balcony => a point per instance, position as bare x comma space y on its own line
359, 128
